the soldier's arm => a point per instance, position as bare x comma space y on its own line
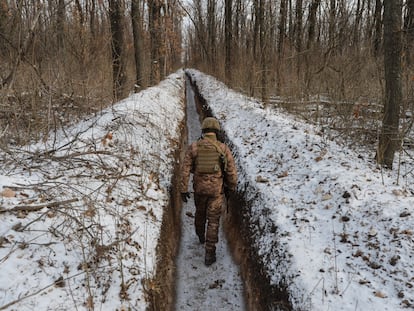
231, 173
186, 168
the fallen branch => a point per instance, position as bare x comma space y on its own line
31, 208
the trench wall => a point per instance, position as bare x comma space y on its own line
260, 294
161, 291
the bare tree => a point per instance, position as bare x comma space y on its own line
298, 33
389, 138
281, 44
358, 17
312, 22
60, 23
212, 30
228, 39
118, 61
409, 31
332, 24
154, 7
136, 20
377, 27
299, 25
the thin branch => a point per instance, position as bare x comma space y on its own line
31, 208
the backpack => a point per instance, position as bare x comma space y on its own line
210, 158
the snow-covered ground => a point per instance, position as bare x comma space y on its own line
81, 212
105, 184
331, 226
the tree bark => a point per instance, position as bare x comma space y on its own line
118, 61
312, 23
60, 23
228, 40
155, 40
377, 27
332, 24
281, 44
409, 32
263, 53
389, 139
211, 28
299, 25
138, 42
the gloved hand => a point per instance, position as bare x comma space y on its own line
185, 196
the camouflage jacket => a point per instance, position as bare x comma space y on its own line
208, 184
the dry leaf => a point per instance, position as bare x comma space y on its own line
326, 197
407, 232
372, 232
397, 192
8, 193
380, 295
284, 174
261, 179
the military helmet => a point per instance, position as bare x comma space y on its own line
210, 123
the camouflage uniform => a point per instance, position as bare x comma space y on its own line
208, 193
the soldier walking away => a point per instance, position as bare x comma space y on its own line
214, 171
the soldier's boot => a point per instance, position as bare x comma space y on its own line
210, 258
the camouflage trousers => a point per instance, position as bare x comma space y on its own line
208, 212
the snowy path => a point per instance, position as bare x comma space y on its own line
199, 288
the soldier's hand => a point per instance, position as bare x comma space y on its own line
185, 196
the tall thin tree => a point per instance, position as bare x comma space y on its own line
409, 32
377, 27
228, 39
136, 20
389, 138
117, 40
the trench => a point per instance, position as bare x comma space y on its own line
237, 281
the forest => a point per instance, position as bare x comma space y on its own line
346, 65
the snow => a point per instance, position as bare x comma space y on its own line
331, 226
201, 287
118, 166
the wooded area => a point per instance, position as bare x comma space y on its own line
339, 63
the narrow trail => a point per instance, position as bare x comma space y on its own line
202, 288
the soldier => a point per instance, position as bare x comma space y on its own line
214, 170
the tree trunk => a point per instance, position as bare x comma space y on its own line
92, 15
263, 53
155, 39
281, 45
389, 139
312, 23
377, 27
358, 17
60, 23
118, 62
228, 40
298, 25
332, 24
409, 32
138, 42
211, 28
298, 35
3, 22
